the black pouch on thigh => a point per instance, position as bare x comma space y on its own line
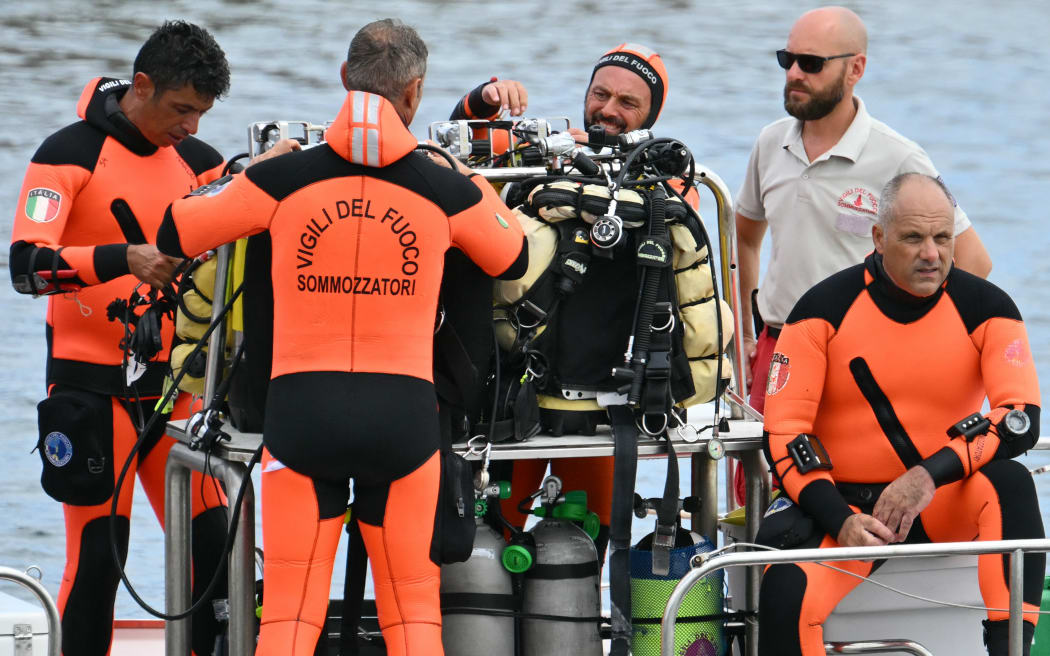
76, 446
785, 525
454, 525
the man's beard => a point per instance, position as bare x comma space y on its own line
598, 117
820, 103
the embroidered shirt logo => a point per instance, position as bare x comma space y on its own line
779, 372
859, 199
42, 204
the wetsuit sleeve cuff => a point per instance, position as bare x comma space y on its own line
474, 105
111, 261
520, 266
944, 467
825, 504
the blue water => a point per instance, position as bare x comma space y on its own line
965, 78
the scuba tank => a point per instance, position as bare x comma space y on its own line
561, 606
477, 596
698, 628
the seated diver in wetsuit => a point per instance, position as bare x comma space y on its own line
881, 363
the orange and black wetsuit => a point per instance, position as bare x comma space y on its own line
64, 223
879, 376
359, 229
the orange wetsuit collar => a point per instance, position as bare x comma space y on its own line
369, 131
99, 105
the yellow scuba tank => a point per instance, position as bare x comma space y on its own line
191, 321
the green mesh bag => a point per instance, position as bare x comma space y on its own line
698, 630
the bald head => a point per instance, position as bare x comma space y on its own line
829, 29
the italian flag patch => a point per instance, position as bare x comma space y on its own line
42, 204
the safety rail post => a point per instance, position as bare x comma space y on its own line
727, 257
217, 341
54, 623
1016, 547
241, 578
1016, 609
177, 546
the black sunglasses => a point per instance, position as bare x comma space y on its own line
807, 63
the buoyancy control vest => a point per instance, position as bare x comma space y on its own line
567, 322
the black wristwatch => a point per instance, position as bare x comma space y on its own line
1014, 424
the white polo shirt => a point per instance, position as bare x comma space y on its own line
820, 213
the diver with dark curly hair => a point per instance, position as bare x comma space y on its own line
132, 148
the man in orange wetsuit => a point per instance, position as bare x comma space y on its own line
626, 92
359, 228
882, 363
92, 194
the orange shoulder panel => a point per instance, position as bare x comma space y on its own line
793, 395
488, 232
221, 215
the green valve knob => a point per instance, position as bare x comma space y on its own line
574, 508
504, 489
540, 511
591, 525
516, 559
480, 507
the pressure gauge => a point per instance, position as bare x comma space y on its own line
715, 448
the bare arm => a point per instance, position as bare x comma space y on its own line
970, 254
749, 236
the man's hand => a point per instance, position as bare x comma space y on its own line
863, 531
281, 147
903, 499
150, 265
579, 135
750, 351
509, 95
441, 161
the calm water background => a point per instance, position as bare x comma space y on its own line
965, 78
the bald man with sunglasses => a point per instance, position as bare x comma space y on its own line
814, 180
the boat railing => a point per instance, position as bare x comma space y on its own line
877, 647
702, 566
54, 624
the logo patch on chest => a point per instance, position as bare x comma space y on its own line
43, 204
859, 199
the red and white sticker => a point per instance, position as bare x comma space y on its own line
779, 372
42, 204
860, 199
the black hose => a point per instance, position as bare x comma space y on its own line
650, 289
228, 546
